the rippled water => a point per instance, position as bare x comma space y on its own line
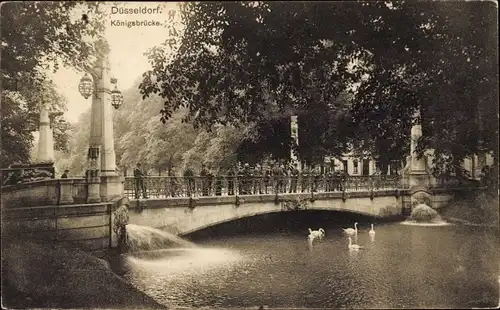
404, 266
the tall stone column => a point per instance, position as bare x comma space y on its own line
417, 172
418, 165
45, 152
294, 131
102, 158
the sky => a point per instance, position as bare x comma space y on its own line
128, 44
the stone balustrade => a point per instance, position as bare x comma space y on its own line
46, 192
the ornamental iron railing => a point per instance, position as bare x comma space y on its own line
169, 186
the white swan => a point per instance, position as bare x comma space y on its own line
350, 231
354, 247
372, 232
320, 233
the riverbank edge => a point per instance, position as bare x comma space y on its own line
42, 275
455, 220
477, 210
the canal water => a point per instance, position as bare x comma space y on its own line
266, 261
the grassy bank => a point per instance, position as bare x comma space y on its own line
481, 209
38, 275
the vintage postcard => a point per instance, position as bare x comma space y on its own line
252, 154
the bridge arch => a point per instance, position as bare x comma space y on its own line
277, 212
183, 220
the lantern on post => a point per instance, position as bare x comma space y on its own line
116, 98
86, 86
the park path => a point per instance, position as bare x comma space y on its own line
36, 275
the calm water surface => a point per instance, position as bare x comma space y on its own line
403, 267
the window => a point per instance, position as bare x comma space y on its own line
355, 163
344, 163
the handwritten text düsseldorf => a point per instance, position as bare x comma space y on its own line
139, 10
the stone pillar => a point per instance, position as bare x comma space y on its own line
45, 141
294, 132
481, 162
417, 171
110, 183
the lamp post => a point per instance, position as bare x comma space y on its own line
103, 181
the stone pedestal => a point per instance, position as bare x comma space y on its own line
94, 187
111, 186
66, 191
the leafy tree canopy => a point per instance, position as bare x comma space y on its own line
238, 62
37, 37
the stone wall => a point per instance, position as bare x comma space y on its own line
87, 226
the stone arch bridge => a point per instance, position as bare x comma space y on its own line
182, 216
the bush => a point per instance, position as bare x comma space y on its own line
423, 213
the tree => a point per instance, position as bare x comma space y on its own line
238, 61
75, 160
20, 118
36, 37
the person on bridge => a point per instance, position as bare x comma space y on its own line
218, 183
305, 179
317, 178
294, 175
240, 179
139, 182
267, 179
342, 179
230, 180
189, 181
247, 179
276, 176
65, 174
210, 180
328, 180
257, 179
283, 180
204, 180
173, 187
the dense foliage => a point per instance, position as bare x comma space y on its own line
36, 37
239, 62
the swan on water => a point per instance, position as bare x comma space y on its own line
313, 234
372, 232
350, 231
353, 246
320, 233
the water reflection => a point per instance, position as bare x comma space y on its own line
176, 261
426, 224
408, 267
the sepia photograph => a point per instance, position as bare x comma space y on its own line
249, 155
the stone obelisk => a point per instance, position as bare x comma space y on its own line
45, 152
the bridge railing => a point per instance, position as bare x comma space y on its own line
45, 192
168, 186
